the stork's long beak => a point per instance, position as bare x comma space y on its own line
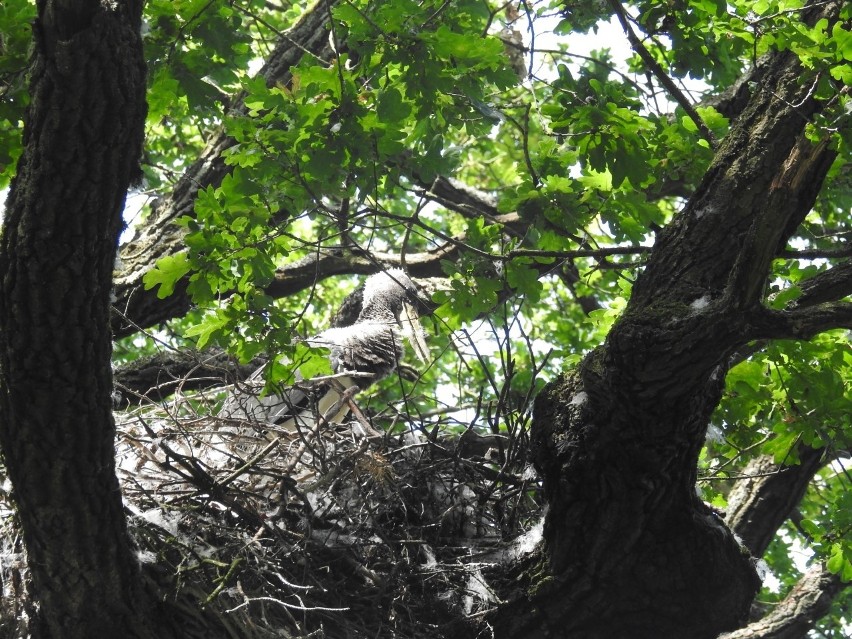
411, 327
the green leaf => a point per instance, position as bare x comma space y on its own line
524, 280
166, 273
211, 327
391, 107
600, 181
813, 529
782, 449
466, 47
315, 80
835, 560
162, 94
312, 361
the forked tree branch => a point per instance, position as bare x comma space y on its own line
758, 505
808, 601
161, 237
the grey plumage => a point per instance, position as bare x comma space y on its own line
361, 354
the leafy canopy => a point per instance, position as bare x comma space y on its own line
582, 161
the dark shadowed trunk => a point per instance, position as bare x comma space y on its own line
83, 140
629, 549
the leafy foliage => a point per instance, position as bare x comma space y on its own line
581, 163
15, 33
587, 152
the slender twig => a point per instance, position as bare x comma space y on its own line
523, 130
556, 53
285, 604
813, 254
772, 16
660, 74
516, 253
437, 12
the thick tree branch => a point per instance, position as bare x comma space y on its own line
828, 286
802, 322
158, 376
809, 600
758, 505
320, 264
762, 183
160, 236
462, 198
790, 197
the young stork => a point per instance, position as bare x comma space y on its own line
371, 346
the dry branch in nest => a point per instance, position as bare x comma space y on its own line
342, 530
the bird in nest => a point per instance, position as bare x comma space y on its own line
365, 342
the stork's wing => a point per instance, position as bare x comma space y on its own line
247, 401
291, 407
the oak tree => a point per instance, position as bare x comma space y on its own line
631, 220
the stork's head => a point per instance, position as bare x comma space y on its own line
388, 290
392, 295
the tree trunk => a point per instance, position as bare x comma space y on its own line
83, 140
630, 551
757, 506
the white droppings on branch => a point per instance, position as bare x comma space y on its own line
707, 210
159, 518
579, 399
701, 303
431, 562
527, 543
762, 569
479, 594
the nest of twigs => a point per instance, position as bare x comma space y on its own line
343, 531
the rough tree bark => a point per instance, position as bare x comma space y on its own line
761, 503
629, 549
757, 506
809, 600
83, 140
159, 376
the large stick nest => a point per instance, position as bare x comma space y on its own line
343, 531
